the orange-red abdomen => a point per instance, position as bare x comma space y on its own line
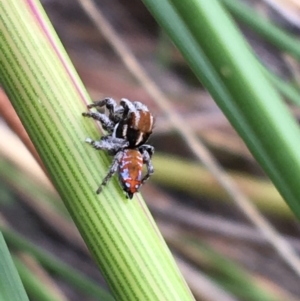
130, 171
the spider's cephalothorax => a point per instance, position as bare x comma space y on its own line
130, 121
129, 127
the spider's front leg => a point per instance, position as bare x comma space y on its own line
107, 124
108, 102
112, 170
115, 111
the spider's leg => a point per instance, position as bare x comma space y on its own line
116, 144
147, 160
107, 124
147, 148
127, 105
112, 170
108, 102
115, 112
108, 143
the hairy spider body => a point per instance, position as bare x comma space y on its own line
135, 128
130, 121
129, 127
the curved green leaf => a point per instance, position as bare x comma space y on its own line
49, 99
219, 56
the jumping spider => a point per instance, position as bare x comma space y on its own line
129, 126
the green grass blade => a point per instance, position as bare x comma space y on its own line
266, 29
285, 88
272, 33
34, 287
225, 271
56, 266
222, 60
11, 287
49, 99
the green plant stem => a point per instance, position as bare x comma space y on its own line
272, 33
55, 265
33, 285
224, 63
286, 89
11, 287
265, 28
223, 270
49, 98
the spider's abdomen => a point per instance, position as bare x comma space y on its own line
130, 171
136, 128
